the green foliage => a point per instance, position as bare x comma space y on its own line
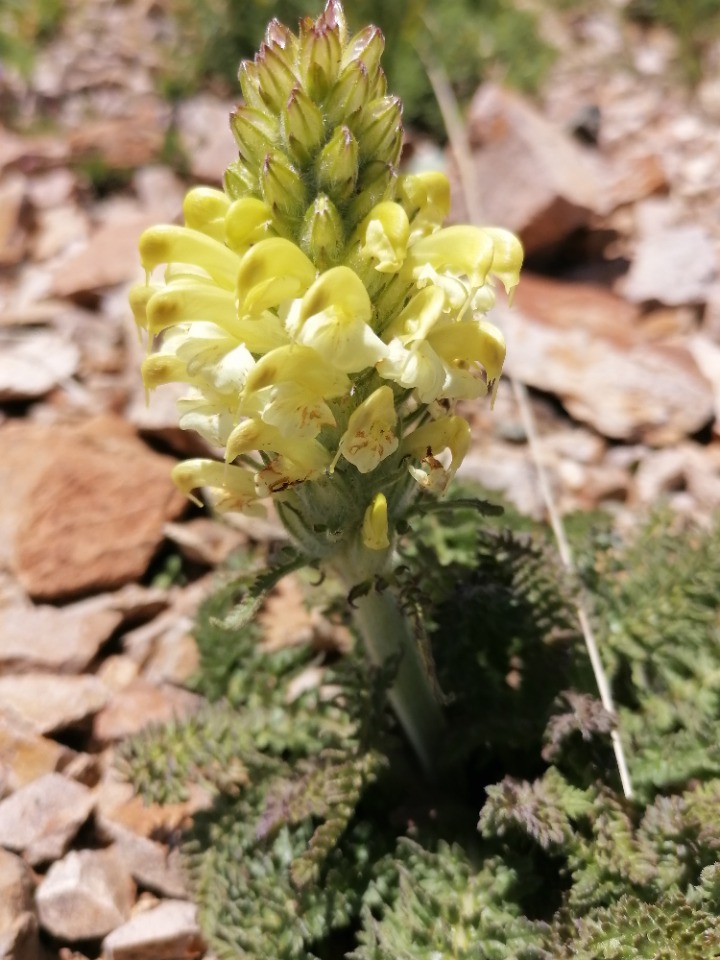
472, 39
320, 838
656, 603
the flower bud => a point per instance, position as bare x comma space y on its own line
375, 524
303, 125
275, 77
320, 53
254, 132
250, 85
366, 46
379, 130
350, 93
322, 236
375, 186
337, 166
239, 181
282, 185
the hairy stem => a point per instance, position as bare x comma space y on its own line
387, 634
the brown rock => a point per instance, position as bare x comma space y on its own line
110, 257
12, 236
85, 895
18, 923
139, 704
124, 142
166, 932
41, 819
48, 702
64, 639
530, 176
93, 509
24, 754
34, 363
577, 342
205, 541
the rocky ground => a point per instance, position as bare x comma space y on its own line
612, 178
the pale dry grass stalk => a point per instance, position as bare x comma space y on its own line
455, 128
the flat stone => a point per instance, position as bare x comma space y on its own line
139, 704
167, 932
41, 819
531, 177
108, 257
49, 702
151, 863
579, 343
18, 922
674, 266
86, 895
24, 754
90, 516
64, 639
34, 363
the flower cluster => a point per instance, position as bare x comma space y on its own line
323, 319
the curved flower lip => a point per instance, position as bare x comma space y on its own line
247, 220
252, 434
370, 434
427, 444
427, 196
333, 319
385, 233
464, 251
235, 486
471, 341
169, 244
302, 365
272, 271
204, 209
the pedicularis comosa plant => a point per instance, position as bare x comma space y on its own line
326, 323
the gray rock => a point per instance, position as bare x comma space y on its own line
86, 895
167, 932
49, 702
18, 923
41, 819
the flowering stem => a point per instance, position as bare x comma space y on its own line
387, 634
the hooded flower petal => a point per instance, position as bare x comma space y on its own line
233, 488
334, 320
370, 434
427, 445
272, 271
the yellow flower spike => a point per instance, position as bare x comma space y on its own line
168, 244
428, 443
385, 232
334, 319
235, 485
507, 258
375, 524
272, 271
462, 251
204, 209
370, 434
471, 341
247, 220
